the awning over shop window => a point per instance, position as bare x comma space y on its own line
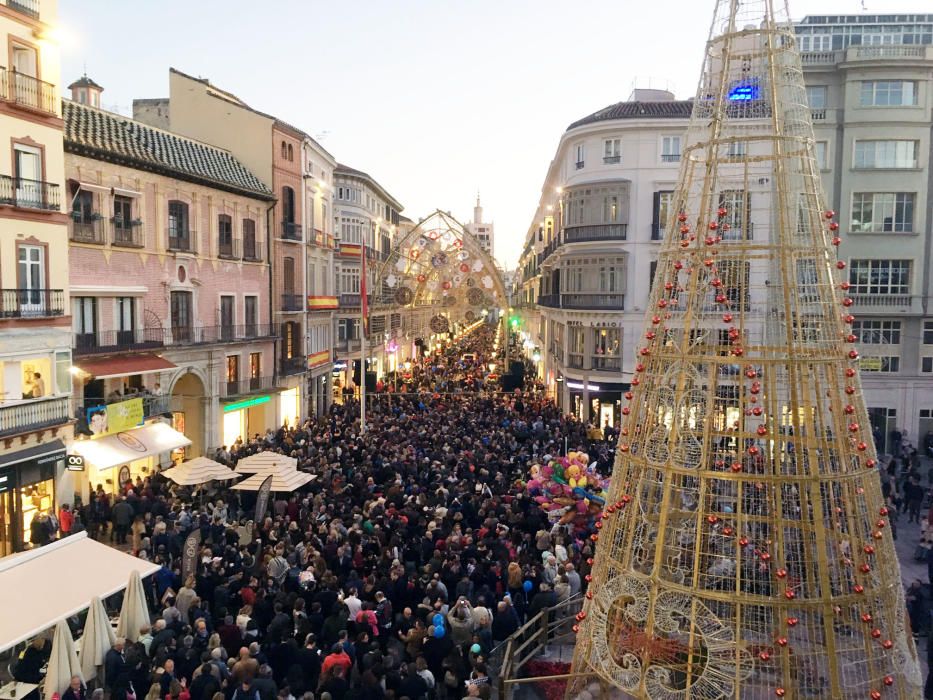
58, 581
122, 448
107, 367
53, 450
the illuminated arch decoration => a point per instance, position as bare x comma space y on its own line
438, 265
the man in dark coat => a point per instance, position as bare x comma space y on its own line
115, 664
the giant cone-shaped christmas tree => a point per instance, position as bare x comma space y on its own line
745, 550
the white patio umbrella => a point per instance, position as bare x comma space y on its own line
135, 613
264, 461
199, 470
63, 663
283, 480
97, 640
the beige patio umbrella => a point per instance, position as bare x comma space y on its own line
97, 640
283, 480
264, 461
199, 470
135, 613
63, 663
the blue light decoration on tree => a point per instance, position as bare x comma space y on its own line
744, 92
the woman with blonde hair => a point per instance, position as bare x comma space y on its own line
155, 692
186, 595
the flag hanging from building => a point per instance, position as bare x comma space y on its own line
189, 562
262, 500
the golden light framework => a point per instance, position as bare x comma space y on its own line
746, 552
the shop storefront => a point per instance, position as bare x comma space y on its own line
242, 419
112, 460
290, 406
599, 403
27, 491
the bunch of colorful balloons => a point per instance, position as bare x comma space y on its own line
568, 488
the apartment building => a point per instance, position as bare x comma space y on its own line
482, 231
35, 355
367, 219
869, 88
174, 339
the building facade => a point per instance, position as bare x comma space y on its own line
585, 271
318, 188
35, 353
366, 219
870, 90
870, 87
169, 252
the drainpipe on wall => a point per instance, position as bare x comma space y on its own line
275, 336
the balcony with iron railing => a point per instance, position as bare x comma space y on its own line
583, 301
352, 345
349, 300
127, 234
181, 240
229, 249
29, 194
112, 341
612, 160
30, 8
292, 365
87, 229
252, 251
244, 387
595, 232
31, 303
292, 302
291, 231
28, 92
33, 414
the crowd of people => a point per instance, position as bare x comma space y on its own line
396, 573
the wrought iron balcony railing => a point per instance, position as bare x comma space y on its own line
29, 8
229, 250
292, 302
242, 387
291, 231
112, 341
87, 231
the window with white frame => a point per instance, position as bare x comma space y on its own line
926, 359
821, 150
670, 149
736, 149
612, 150
349, 280
737, 206
879, 277
580, 154
883, 212
815, 42
816, 96
888, 93
877, 332
885, 154
576, 343
607, 344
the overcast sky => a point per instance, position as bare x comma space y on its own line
436, 99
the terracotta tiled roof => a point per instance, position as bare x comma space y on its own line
95, 132
671, 109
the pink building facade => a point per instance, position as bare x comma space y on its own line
170, 280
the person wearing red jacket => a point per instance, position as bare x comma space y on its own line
336, 657
65, 519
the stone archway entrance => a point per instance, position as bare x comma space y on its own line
188, 404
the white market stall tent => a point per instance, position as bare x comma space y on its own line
54, 582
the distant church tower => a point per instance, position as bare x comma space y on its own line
482, 230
